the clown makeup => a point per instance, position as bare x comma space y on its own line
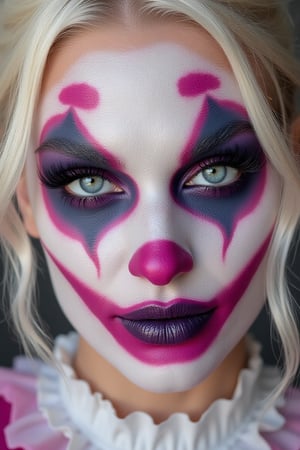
154, 201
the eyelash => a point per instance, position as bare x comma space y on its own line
58, 177
233, 157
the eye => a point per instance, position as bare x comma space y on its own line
217, 175
91, 186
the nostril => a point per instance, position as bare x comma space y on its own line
160, 261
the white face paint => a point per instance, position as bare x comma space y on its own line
155, 209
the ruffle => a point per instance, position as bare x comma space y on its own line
69, 417
227, 424
288, 437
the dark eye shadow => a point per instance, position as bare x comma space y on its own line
66, 151
68, 145
69, 137
83, 218
242, 151
224, 205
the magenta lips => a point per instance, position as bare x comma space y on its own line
167, 325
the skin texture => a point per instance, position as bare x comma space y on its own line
152, 116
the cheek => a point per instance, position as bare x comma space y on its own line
87, 226
85, 220
252, 229
223, 206
73, 233
225, 211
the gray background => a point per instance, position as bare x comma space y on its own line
55, 322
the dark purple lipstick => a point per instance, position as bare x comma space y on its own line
167, 325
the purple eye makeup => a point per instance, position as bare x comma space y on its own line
222, 147
67, 157
80, 186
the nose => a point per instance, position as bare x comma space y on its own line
160, 261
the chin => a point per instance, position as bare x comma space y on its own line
171, 378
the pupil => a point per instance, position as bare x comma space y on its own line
215, 174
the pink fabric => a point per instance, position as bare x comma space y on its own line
288, 437
4, 420
27, 427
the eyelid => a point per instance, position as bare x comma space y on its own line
59, 175
242, 160
225, 135
86, 154
224, 141
200, 167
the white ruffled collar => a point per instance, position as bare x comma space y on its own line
91, 423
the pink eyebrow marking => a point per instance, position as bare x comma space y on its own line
80, 95
196, 83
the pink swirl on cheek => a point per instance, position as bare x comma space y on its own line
195, 84
80, 95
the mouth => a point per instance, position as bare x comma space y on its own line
147, 330
169, 325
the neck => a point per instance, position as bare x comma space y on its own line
126, 397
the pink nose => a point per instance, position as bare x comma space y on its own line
160, 261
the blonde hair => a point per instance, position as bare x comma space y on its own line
254, 35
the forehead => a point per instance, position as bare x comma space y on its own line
145, 82
118, 38
164, 67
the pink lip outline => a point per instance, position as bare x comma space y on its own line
108, 313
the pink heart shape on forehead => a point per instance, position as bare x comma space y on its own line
80, 95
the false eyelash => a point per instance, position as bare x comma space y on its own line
242, 160
58, 175
87, 203
246, 161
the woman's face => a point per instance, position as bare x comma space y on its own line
154, 201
